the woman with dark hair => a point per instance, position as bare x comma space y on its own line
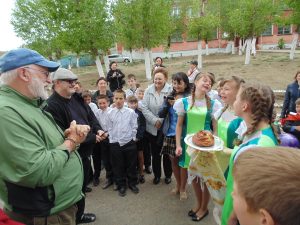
115, 77
153, 99
102, 90
291, 95
181, 89
158, 63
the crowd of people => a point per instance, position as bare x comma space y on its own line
49, 144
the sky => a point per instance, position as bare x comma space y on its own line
8, 38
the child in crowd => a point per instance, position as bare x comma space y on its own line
133, 104
87, 97
213, 94
132, 85
266, 186
254, 104
139, 94
291, 124
102, 116
78, 87
181, 89
228, 122
192, 72
219, 85
122, 129
196, 113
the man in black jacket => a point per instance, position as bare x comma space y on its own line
66, 105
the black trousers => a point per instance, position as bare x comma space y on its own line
106, 157
124, 163
86, 164
155, 148
97, 158
147, 152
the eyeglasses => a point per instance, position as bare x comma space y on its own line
69, 81
46, 73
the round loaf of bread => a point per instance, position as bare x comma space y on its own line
203, 138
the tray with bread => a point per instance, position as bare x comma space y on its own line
204, 141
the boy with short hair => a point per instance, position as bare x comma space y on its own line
132, 103
132, 84
122, 129
266, 186
103, 150
139, 94
87, 97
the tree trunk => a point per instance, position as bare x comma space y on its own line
206, 49
253, 46
232, 48
147, 63
77, 61
248, 51
294, 45
151, 58
240, 47
99, 66
106, 62
199, 54
130, 56
244, 45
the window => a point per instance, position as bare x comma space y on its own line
189, 12
268, 31
176, 37
215, 34
175, 11
284, 29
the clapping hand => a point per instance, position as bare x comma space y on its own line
76, 133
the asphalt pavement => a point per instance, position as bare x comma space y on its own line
152, 206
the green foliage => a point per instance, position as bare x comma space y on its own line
203, 27
281, 43
142, 23
294, 18
248, 18
55, 25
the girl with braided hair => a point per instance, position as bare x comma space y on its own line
255, 104
195, 113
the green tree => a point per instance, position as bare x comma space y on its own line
125, 23
294, 19
247, 19
56, 25
151, 23
202, 26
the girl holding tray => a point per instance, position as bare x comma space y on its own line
255, 104
196, 113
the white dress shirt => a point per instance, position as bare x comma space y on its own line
102, 116
122, 125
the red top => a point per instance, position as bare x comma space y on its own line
5, 220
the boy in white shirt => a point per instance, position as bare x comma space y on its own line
132, 85
102, 115
122, 129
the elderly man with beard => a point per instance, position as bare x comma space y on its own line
66, 105
40, 170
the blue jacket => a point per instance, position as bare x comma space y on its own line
291, 95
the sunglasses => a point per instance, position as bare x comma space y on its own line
69, 81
